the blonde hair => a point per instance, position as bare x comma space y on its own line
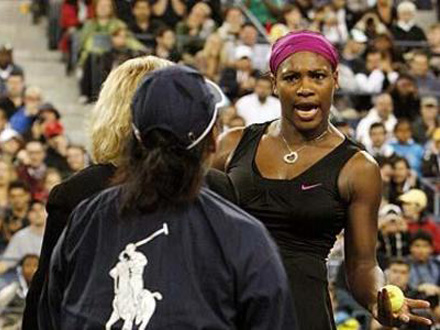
110, 124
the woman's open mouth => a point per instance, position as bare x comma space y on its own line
306, 111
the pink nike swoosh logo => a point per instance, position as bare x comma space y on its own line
304, 187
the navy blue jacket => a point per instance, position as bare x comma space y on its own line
205, 265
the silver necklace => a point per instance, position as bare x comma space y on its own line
292, 156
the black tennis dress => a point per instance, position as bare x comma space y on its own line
303, 214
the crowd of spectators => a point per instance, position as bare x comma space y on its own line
388, 102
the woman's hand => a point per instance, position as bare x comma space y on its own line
383, 313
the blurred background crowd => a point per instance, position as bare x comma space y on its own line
388, 101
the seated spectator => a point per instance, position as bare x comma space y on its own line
394, 236
405, 146
398, 274
21, 120
231, 27
434, 48
332, 28
345, 128
424, 126
27, 240
210, 59
424, 268
15, 217
414, 203
384, 43
12, 297
95, 35
143, 27
4, 120
405, 97
427, 82
76, 158
382, 112
406, 28
239, 80
7, 174
431, 160
260, 106
378, 73
166, 44
120, 51
352, 53
197, 26
386, 12
403, 179
52, 178
56, 151
379, 147
371, 25
7, 66
10, 144
33, 173
386, 173
169, 12
14, 93
74, 14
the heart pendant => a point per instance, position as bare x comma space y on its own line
290, 158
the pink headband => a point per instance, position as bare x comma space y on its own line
301, 41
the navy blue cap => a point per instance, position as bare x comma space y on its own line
177, 99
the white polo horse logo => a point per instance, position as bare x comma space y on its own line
133, 303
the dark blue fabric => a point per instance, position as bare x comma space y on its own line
217, 268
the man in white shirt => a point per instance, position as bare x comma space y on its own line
382, 112
259, 106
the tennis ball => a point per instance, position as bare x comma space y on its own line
396, 297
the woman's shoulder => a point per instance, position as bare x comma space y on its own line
81, 185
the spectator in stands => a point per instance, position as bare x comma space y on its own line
74, 14
21, 120
14, 93
95, 35
386, 12
12, 297
398, 274
210, 59
394, 237
7, 174
434, 47
291, 20
403, 179
352, 53
382, 112
431, 160
27, 240
346, 18
371, 25
414, 203
56, 151
405, 146
426, 81
7, 66
34, 172
143, 27
384, 43
119, 52
424, 268
424, 126
170, 12
52, 178
406, 29
15, 217
378, 74
260, 106
10, 144
76, 158
386, 173
239, 80
378, 147
405, 97
231, 27
332, 28
166, 44
4, 120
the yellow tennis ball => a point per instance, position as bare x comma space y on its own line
396, 297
